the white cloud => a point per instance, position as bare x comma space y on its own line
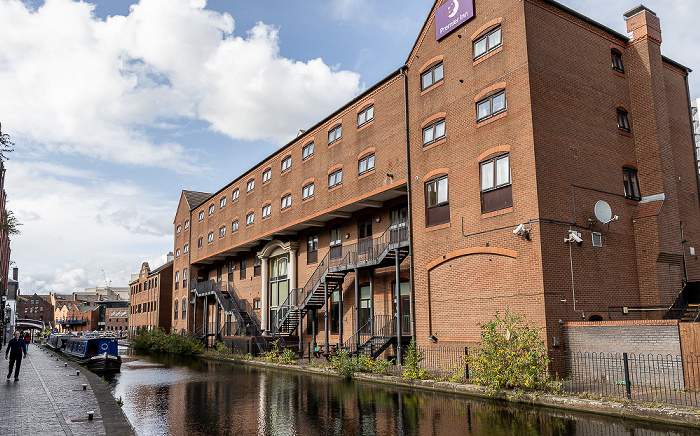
75, 224
77, 84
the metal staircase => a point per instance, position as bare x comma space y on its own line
686, 308
375, 336
386, 250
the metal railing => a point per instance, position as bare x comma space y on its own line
228, 305
363, 341
645, 378
350, 255
689, 294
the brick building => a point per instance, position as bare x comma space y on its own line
151, 297
542, 162
37, 307
117, 319
75, 318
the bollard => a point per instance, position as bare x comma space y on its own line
65, 365
85, 386
628, 383
77, 373
90, 415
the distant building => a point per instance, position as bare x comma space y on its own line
151, 297
117, 319
77, 318
102, 293
37, 307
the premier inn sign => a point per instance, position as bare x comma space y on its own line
451, 15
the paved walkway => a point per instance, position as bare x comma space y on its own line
49, 399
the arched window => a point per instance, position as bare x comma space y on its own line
175, 309
184, 307
623, 122
616, 56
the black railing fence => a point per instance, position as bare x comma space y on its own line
642, 378
441, 362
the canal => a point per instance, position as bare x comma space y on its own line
171, 395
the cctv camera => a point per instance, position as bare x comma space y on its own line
519, 229
575, 237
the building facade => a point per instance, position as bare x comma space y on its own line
76, 318
524, 158
37, 307
117, 320
151, 298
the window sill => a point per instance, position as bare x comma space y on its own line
266, 183
286, 172
487, 55
286, 209
624, 133
336, 142
249, 192
307, 159
617, 73
365, 174
435, 144
491, 120
437, 227
335, 187
368, 123
497, 212
431, 87
307, 200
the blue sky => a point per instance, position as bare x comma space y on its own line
115, 106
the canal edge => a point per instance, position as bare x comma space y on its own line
609, 408
115, 421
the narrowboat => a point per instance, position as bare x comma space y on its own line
98, 354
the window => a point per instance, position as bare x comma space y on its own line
335, 178
222, 231
257, 267
201, 215
266, 211
222, 202
187, 224
200, 242
235, 195
175, 309
436, 201
432, 76
623, 122
234, 226
629, 177
491, 106
177, 279
211, 209
251, 185
336, 242
179, 229
184, 276
307, 151
186, 249
617, 61
365, 116
267, 175
177, 253
312, 249
210, 237
335, 134
488, 43
286, 202
286, 163
184, 307
366, 164
307, 191
241, 274
434, 132
250, 219
256, 304
496, 189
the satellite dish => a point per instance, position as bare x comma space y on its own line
603, 212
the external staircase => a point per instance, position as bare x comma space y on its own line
686, 308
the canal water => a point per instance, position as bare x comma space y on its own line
171, 395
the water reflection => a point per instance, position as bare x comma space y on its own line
181, 396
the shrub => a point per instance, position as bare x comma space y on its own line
287, 357
344, 363
272, 354
412, 362
512, 356
161, 342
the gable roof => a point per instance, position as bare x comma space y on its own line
195, 198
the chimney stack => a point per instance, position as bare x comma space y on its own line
15, 274
642, 22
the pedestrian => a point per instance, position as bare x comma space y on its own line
15, 348
27, 339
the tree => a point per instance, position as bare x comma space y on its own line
10, 223
5, 145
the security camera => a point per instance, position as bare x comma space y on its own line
519, 229
575, 237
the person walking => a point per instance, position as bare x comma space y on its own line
15, 348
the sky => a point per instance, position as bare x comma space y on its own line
116, 106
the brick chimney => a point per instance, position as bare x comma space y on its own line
642, 22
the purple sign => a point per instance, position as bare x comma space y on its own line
451, 15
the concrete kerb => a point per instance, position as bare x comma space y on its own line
666, 415
113, 417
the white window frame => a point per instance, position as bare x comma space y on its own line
335, 134
250, 186
307, 151
286, 202
222, 202
286, 164
211, 209
222, 231
266, 211
365, 115
234, 226
201, 215
234, 196
210, 237
250, 219
335, 178
307, 191
434, 78
366, 164
491, 112
267, 175
487, 43
433, 129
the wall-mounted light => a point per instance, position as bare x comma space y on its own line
432, 338
347, 236
378, 219
390, 175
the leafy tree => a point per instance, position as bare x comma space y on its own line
10, 223
5, 145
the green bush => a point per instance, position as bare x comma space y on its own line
411, 363
344, 363
272, 354
512, 356
287, 357
161, 342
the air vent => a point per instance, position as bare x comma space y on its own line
597, 239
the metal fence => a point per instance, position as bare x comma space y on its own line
642, 378
442, 363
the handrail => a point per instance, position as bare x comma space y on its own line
384, 326
682, 301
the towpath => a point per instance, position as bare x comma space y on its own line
48, 399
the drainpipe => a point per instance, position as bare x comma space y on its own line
692, 133
409, 215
